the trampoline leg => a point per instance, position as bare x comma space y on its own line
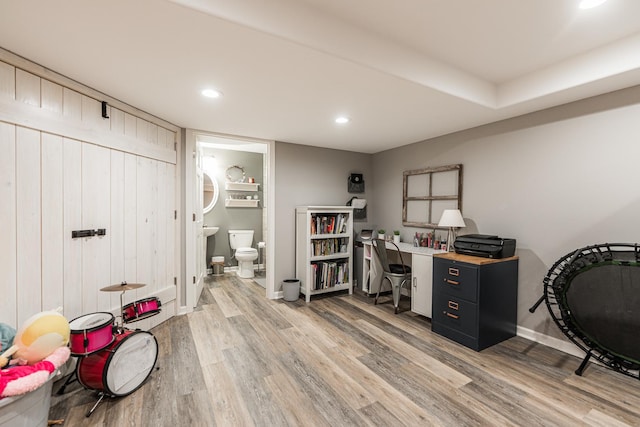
583, 365
535, 306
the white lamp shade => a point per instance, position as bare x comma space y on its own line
451, 218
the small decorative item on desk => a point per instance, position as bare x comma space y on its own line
381, 234
396, 236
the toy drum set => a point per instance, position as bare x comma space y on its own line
113, 360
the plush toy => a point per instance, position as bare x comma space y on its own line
7, 334
19, 380
38, 337
4, 357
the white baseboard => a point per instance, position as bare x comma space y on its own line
184, 310
235, 268
562, 345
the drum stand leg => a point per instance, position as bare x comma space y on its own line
88, 414
71, 378
121, 310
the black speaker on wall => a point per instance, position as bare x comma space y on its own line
355, 184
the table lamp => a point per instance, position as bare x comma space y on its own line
452, 219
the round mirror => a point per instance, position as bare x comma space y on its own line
209, 192
235, 174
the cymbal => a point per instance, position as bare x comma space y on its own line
124, 286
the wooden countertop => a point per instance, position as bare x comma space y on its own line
472, 259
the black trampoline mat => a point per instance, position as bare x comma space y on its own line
603, 302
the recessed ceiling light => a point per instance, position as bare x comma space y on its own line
211, 93
588, 4
342, 120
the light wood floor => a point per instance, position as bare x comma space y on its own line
243, 360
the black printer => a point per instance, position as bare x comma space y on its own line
484, 245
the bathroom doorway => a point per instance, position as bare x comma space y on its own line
239, 171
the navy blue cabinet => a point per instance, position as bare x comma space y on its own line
475, 300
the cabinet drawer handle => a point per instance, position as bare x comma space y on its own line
453, 316
454, 271
453, 305
451, 282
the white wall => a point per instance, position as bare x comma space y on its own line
65, 167
555, 180
310, 176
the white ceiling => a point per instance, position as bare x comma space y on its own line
402, 70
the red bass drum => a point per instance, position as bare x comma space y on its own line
122, 367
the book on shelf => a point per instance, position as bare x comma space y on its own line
329, 224
329, 246
328, 274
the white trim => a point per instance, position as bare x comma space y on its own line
179, 214
192, 137
28, 116
183, 310
190, 252
562, 345
271, 222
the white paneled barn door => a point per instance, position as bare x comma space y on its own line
65, 168
95, 213
8, 225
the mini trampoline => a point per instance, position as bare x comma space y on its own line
593, 296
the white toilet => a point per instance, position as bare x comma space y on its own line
240, 241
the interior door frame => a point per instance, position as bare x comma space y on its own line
190, 280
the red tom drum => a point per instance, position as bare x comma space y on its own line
122, 367
141, 309
91, 333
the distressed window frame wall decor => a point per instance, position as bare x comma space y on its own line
434, 189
